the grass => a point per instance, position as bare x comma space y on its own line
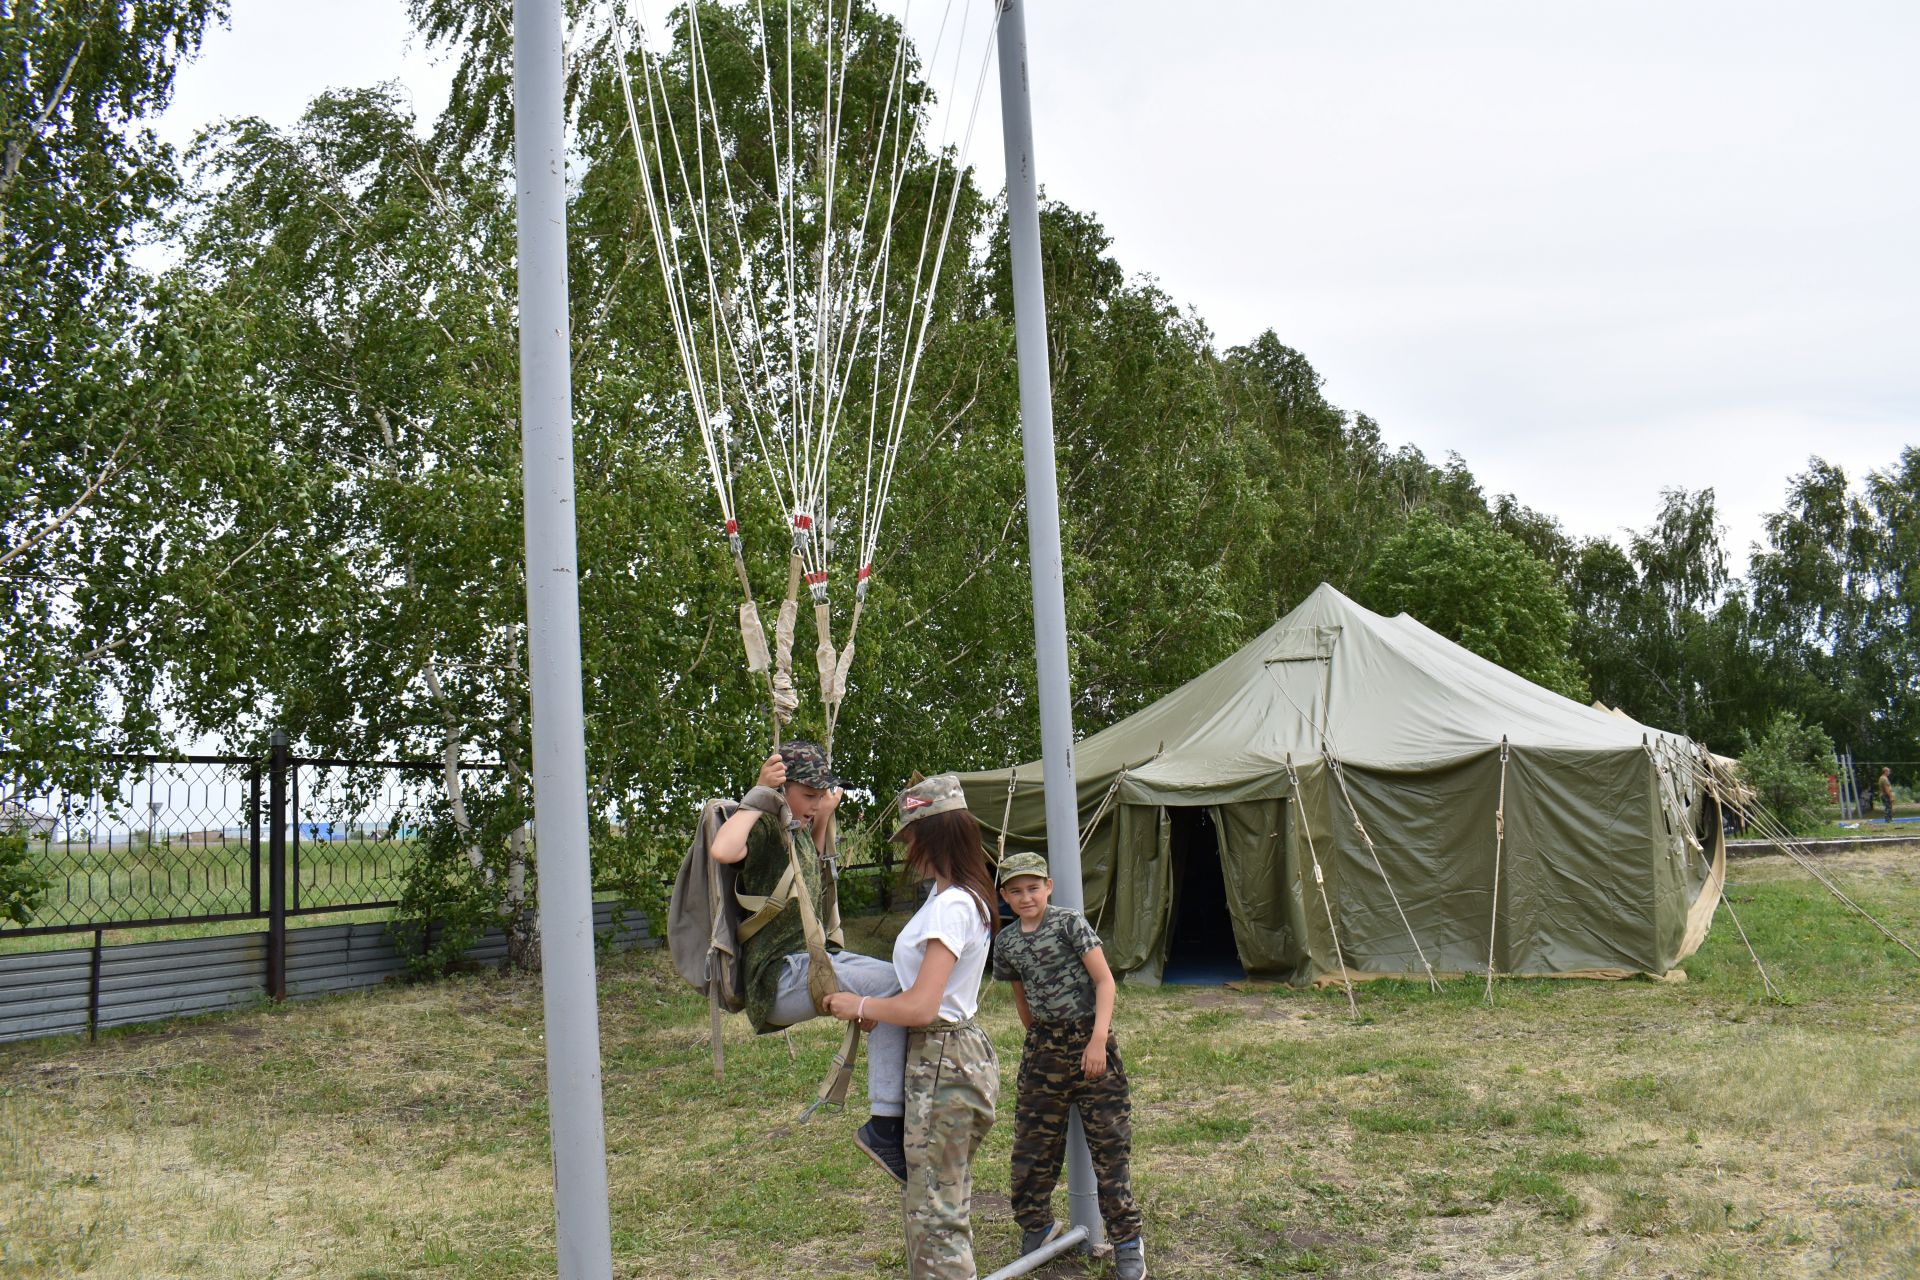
172, 876
1569, 1129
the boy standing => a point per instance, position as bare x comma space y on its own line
1064, 992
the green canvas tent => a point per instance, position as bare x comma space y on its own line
1356, 792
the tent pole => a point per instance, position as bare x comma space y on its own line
584, 1243
1043, 530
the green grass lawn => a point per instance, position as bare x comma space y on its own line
1569, 1129
137, 880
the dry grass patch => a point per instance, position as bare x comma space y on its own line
1597, 1130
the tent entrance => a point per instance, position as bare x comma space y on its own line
1200, 945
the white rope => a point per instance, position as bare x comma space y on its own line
1499, 844
1339, 775
1776, 834
760, 344
1320, 882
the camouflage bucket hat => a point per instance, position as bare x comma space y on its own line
1021, 864
807, 764
938, 794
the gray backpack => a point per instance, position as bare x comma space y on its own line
703, 918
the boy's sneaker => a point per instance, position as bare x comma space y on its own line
1031, 1240
880, 1138
1130, 1259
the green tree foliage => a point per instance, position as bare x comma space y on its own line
1787, 765
280, 485
1834, 596
1654, 628
22, 885
102, 439
1482, 589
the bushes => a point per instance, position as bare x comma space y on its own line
1788, 768
22, 886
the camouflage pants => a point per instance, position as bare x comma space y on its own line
1050, 1082
953, 1080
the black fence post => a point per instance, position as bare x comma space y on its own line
277, 868
93, 987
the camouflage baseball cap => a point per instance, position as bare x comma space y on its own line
1021, 864
807, 764
938, 794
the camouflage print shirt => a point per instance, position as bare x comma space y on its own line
1049, 964
765, 953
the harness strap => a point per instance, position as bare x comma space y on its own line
761, 909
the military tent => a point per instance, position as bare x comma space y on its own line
1354, 795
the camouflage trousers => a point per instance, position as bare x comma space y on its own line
953, 1080
1051, 1082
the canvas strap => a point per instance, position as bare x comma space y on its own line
821, 981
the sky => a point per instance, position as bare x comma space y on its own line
1597, 249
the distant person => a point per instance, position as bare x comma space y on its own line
1886, 792
1064, 991
953, 1074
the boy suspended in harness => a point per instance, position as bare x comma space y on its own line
783, 870
1064, 992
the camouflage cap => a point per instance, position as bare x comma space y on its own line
1021, 864
807, 764
938, 794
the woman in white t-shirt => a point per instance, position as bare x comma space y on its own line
952, 1073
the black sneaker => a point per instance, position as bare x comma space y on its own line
883, 1148
1039, 1237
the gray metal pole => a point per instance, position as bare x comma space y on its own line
574, 1107
1043, 530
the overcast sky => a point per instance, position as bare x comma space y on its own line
1597, 249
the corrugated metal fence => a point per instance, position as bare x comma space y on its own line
74, 991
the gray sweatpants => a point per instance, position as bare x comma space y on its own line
886, 1044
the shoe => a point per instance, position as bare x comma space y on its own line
883, 1147
1031, 1240
1130, 1260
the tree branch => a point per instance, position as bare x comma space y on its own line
54, 522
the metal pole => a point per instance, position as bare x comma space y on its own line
1043, 531
1076, 1238
277, 867
574, 1104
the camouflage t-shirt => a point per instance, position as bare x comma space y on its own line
1048, 964
765, 953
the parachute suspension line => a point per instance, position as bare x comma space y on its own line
1320, 882
1499, 844
665, 230
666, 248
752, 320
1006, 816
904, 392
873, 511
701, 221
1339, 774
794, 402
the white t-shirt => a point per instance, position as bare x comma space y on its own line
954, 917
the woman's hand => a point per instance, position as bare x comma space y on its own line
1093, 1059
845, 1006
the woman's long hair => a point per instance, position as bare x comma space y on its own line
948, 847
